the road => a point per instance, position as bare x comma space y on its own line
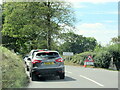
80, 77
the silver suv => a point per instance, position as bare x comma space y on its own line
44, 63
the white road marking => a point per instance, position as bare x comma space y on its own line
92, 80
68, 72
103, 70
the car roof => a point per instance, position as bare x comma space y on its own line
45, 51
38, 50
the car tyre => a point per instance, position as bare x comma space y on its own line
27, 68
34, 77
62, 75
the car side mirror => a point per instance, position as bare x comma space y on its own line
29, 59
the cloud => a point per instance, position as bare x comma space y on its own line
110, 21
101, 32
93, 1
92, 26
0, 1
78, 5
112, 12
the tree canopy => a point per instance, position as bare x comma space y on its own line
116, 39
31, 25
77, 43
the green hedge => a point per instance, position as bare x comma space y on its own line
102, 56
102, 59
79, 58
13, 72
115, 52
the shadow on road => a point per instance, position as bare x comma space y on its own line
55, 79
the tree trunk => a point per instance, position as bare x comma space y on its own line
49, 29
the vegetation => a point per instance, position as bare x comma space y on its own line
13, 71
114, 50
102, 56
79, 58
40, 25
77, 43
116, 39
34, 25
102, 59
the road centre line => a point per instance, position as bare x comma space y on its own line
92, 80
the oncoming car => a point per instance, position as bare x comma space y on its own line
45, 63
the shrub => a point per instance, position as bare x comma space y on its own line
101, 55
80, 58
102, 59
115, 52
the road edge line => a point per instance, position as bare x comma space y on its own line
68, 72
92, 80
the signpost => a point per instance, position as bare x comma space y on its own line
88, 61
67, 53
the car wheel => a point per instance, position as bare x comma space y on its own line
62, 75
34, 77
27, 68
29, 73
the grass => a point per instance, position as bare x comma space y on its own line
70, 63
13, 72
74, 64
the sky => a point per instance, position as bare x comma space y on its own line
96, 18
0, 1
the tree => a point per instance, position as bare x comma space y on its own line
77, 43
57, 13
116, 39
34, 25
19, 26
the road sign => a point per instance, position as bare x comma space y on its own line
68, 53
88, 61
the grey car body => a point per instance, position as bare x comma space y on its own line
45, 63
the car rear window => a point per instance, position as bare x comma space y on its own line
47, 54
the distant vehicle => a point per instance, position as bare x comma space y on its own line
36, 50
26, 62
30, 55
44, 63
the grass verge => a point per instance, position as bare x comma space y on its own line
74, 64
13, 72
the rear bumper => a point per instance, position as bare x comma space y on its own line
48, 71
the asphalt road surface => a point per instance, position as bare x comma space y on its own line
80, 77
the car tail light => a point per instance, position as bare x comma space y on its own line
59, 60
36, 61
40, 50
47, 52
